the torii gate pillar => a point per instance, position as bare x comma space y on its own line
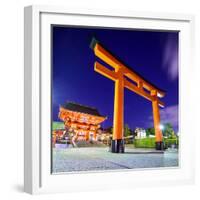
117, 144
126, 78
156, 119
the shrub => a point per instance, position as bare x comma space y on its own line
150, 142
144, 143
169, 142
58, 125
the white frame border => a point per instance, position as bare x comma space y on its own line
33, 169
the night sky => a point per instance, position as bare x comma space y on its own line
152, 54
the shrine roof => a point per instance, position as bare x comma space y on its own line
81, 108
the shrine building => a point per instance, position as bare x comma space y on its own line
82, 121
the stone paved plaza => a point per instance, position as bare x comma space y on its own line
98, 158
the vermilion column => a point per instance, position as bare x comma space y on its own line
118, 118
87, 136
156, 119
95, 135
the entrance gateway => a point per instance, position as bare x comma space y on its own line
124, 77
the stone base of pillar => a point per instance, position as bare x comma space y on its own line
159, 146
117, 146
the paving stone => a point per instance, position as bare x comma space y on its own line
96, 159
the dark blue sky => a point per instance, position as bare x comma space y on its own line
152, 54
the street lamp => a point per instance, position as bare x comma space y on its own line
161, 126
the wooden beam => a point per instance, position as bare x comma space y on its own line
105, 71
131, 75
107, 57
161, 104
140, 92
137, 90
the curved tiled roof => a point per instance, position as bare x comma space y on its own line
81, 108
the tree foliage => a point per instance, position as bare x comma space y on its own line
110, 130
150, 131
168, 131
127, 130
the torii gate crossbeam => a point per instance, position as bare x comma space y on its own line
124, 77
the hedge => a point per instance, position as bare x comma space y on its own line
57, 125
150, 142
170, 142
144, 143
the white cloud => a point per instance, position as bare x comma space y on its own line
170, 114
167, 115
170, 59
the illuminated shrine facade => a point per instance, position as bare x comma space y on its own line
82, 121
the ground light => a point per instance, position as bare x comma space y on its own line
161, 126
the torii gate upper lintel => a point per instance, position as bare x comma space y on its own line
124, 77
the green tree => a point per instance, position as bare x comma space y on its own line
127, 130
110, 129
150, 131
168, 131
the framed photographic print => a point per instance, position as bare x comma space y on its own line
106, 99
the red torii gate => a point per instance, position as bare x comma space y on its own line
124, 77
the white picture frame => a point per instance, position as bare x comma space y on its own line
37, 164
